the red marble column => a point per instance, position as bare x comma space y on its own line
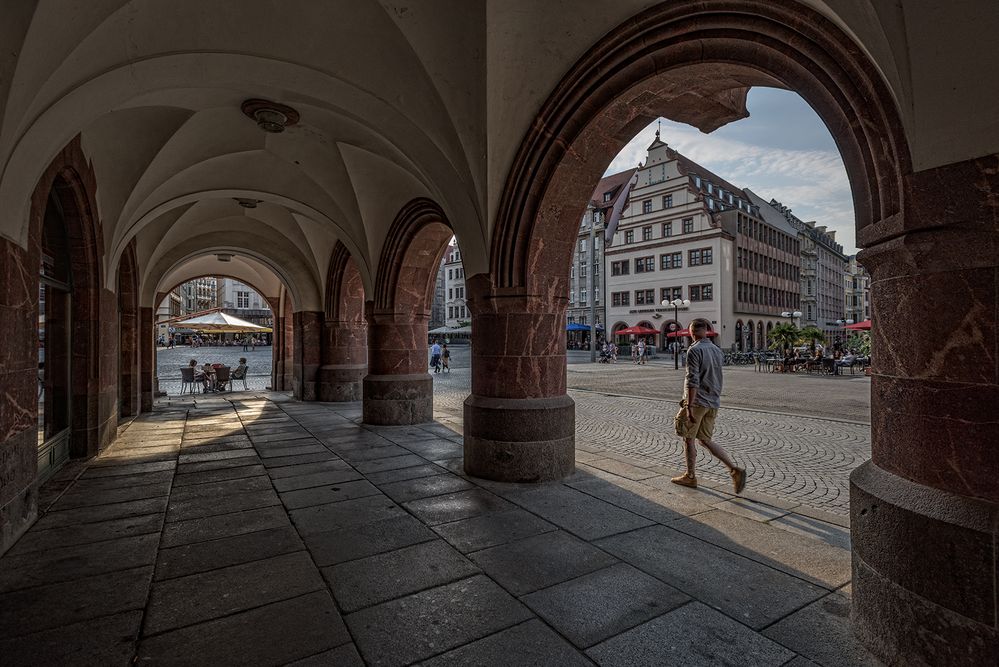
308, 329
398, 389
128, 367
288, 352
19, 398
925, 509
519, 423
344, 359
147, 359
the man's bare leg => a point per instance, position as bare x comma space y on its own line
718, 452
690, 451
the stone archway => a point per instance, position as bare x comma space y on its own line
128, 334
344, 343
397, 388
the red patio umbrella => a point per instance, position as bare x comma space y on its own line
686, 332
636, 331
859, 326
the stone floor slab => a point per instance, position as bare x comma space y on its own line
105, 641
221, 488
599, 605
201, 597
224, 525
341, 656
754, 594
226, 551
821, 631
433, 621
457, 506
490, 530
330, 464
298, 459
656, 504
220, 475
540, 561
367, 539
307, 481
400, 474
185, 509
100, 513
330, 493
693, 635
365, 582
435, 448
83, 497
530, 643
39, 540
828, 533
577, 512
323, 518
273, 634
425, 487
389, 463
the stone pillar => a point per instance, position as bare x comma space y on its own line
128, 366
519, 423
147, 359
307, 327
398, 389
344, 358
925, 509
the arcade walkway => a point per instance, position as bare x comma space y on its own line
265, 531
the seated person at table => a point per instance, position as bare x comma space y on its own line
208, 375
198, 375
847, 360
239, 372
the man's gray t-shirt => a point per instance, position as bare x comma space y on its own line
704, 373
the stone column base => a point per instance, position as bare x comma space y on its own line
924, 572
520, 439
393, 400
338, 384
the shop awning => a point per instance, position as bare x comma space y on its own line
220, 322
636, 331
686, 332
859, 326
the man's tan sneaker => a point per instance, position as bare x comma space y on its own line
738, 479
685, 479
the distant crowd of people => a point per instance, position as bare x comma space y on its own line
249, 343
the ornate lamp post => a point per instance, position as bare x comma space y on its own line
676, 303
844, 323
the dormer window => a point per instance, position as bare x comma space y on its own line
607, 196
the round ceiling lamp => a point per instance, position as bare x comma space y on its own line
270, 116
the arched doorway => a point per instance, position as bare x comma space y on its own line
750, 336
739, 342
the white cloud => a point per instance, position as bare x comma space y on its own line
812, 182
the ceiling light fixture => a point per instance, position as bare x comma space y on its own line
223, 256
270, 116
247, 203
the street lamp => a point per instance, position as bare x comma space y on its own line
676, 303
793, 315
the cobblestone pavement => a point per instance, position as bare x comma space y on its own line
254, 529
791, 458
170, 361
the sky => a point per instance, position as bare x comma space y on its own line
782, 151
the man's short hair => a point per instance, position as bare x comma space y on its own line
700, 325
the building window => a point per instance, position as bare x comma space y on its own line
242, 299
621, 268
667, 201
671, 293
667, 229
582, 297
645, 264
582, 245
645, 297
647, 206
647, 233
701, 292
671, 260
629, 236
688, 225
608, 196
700, 256
621, 299
582, 270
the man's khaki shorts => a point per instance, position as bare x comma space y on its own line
703, 425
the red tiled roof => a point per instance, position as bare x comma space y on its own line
610, 183
688, 166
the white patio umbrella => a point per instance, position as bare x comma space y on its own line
222, 322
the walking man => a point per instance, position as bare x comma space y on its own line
435, 357
696, 419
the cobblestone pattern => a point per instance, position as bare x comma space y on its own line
803, 459
170, 361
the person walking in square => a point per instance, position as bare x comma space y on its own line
445, 358
435, 357
641, 351
696, 419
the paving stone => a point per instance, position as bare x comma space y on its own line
433, 621
400, 474
224, 525
577, 512
435, 448
208, 476
285, 452
77, 561
99, 513
622, 468
200, 597
754, 594
655, 504
204, 556
800, 556
457, 506
202, 457
540, 561
362, 583
599, 605
530, 643
279, 434
131, 469
44, 607
344, 514
828, 533
368, 453
330, 493
185, 509
298, 459
751, 510
490, 530
221, 488
38, 540
330, 464
316, 479
102, 641
389, 463
117, 482
341, 656
692, 635
272, 634
821, 631
208, 447
367, 539
423, 487
249, 458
